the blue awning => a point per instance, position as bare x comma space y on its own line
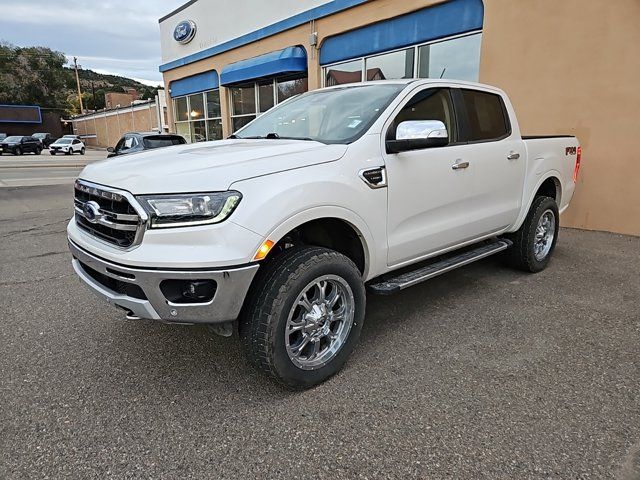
289, 60
443, 20
194, 84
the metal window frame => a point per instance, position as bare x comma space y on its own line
416, 47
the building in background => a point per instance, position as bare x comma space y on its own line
119, 99
30, 119
106, 127
569, 68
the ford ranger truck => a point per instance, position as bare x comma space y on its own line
278, 231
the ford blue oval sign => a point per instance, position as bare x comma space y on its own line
184, 31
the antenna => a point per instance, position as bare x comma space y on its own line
443, 70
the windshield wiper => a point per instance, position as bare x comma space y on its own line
271, 136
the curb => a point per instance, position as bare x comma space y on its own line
46, 165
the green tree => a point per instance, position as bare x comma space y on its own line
33, 76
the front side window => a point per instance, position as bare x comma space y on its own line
339, 115
486, 116
428, 104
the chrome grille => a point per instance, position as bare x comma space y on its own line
108, 214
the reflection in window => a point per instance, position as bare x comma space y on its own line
347, 72
196, 107
213, 104
194, 113
457, 59
391, 65
182, 109
290, 88
245, 98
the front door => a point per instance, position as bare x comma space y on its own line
430, 192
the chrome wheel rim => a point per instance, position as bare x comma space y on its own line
319, 322
545, 232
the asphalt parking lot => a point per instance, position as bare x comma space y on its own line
44, 169
483, 373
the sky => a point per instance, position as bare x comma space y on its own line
107, 36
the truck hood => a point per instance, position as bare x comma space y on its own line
207, 166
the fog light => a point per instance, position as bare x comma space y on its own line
188, 291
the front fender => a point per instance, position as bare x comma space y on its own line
275, 204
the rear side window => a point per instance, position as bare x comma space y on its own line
487, 116
159, 142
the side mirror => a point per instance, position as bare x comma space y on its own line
111, 150
418, 134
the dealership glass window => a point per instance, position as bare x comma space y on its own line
346, 72
390, 65
198, 116
455, 58
252, 99
291, 88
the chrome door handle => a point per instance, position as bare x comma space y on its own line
460, 165
513, 156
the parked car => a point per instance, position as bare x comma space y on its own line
68, 146
283, 225
134, 142
45, 138
19, 144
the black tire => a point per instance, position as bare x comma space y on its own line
277, 286
522, 254
69, 152
17, 151
38, 151
52, 153
82, 151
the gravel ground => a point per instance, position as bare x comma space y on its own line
483, 373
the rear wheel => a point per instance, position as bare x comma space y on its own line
82, 150
303, 315
38, 151
52, 153
536, 239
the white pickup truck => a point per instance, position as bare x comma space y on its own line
278, 230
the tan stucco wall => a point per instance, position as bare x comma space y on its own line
572, 66
110, 128
569, 66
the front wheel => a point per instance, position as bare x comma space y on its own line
303, 315
17, 151
38, 151
536, 239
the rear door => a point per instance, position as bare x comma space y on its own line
497, 156
430, 203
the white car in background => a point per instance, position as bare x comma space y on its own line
67, 145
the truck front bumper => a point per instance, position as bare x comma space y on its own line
138, 291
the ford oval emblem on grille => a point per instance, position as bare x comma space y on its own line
91, 211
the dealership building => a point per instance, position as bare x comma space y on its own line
569, 67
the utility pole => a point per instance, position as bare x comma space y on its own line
93, 90
75, 64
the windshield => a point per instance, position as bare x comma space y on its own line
338, 115
64, 141
13, 139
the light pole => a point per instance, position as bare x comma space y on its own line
75, 64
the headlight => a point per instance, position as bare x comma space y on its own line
189, 209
